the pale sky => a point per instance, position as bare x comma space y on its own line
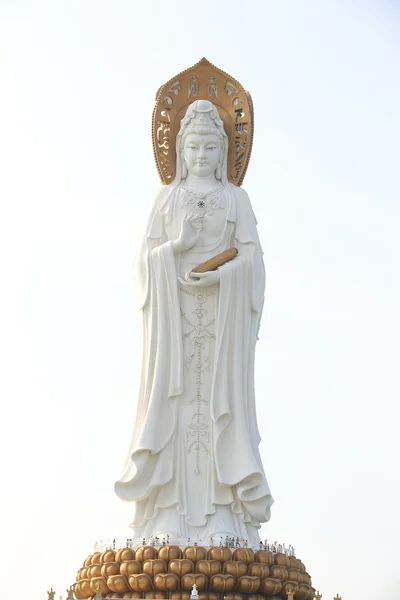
78, 81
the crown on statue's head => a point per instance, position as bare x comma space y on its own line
203, 118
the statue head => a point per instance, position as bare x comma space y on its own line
202, 144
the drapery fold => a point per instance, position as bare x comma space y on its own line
151, 477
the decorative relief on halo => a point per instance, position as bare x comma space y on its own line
193, 86
203, 81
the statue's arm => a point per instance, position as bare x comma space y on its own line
249, 249
156, 240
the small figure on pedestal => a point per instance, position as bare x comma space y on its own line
194, 594
290, 594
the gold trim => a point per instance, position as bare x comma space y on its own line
203, 81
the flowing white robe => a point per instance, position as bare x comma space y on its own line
230, 494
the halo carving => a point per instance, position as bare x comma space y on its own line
203, 81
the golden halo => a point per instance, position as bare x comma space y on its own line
203, 81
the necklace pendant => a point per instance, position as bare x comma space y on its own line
205, 204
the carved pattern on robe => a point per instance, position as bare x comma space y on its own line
202, 335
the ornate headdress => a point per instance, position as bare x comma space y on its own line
202, 118
179, 104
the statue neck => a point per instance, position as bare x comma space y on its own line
202, 184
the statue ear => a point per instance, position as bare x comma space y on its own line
184, 170
218, 171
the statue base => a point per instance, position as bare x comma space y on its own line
219, 573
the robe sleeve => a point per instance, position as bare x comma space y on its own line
249, 247
154, 236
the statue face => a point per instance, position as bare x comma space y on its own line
202, 154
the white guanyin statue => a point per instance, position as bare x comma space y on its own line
194, 468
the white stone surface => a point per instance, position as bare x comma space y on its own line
193, 468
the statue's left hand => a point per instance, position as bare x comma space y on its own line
205, 279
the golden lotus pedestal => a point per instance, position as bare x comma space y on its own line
169, 572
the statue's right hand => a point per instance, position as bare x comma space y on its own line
190, 230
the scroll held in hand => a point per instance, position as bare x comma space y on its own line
216, 261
